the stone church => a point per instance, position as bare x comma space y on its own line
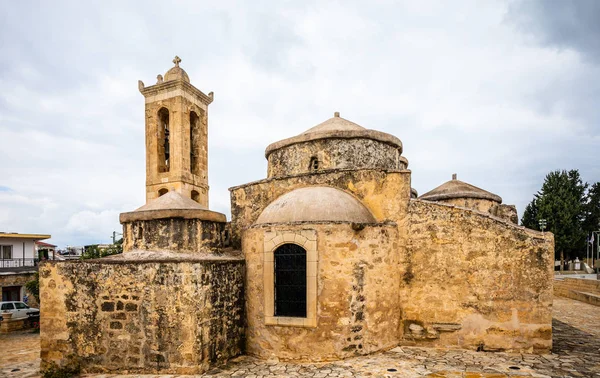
332, 255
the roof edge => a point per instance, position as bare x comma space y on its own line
379, 136
323, 172
445, 196
15, 235
155, 89
533, 233
202, 214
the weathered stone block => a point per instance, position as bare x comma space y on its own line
166, 319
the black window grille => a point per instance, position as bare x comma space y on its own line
290, 281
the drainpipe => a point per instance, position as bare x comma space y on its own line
23, 253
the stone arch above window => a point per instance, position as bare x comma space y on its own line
305, 240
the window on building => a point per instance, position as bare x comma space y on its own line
290, 281
163, 191
6, 252
11, 293
314, 164
163, 140
195, 196
194, 142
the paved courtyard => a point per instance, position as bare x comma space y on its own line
576, 353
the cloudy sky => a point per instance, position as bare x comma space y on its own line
500, 92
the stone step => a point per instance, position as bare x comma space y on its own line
591, 286
587, 291
582, 296
591, 298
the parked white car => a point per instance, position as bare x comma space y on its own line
18, 309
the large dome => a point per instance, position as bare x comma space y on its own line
339, 128
335, 144
316, 204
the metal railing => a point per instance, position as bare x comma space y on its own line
18, 263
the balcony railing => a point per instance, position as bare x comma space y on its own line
18, 263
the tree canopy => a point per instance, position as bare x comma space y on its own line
592, 216
94, 251
571, 209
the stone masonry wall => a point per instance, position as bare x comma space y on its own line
358, 277
333, 154
508, 212
483, 205
19, 279
176, 235
475, 281
142, 317
384, 193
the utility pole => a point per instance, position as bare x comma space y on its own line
542, 225
114, 236
587, 249
597, 249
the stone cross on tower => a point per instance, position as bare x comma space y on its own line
177, 60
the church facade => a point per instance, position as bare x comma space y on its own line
332, 255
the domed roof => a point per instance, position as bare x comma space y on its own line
171, 201
458, 189
316, 204
336, 123
176, 73
172, 205
336, 127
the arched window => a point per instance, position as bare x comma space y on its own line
163, 191
163, 140
314, 164
290, 281
194, 142
195, 196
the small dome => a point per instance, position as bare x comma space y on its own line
336, 123
176, 73
316, 204
170, 206
336, 128
171, 201
458, 189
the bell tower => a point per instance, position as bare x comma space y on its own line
176, 136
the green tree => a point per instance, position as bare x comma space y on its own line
95, 252
592, 215
592, 209
530, 215
33, 286
562, 202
